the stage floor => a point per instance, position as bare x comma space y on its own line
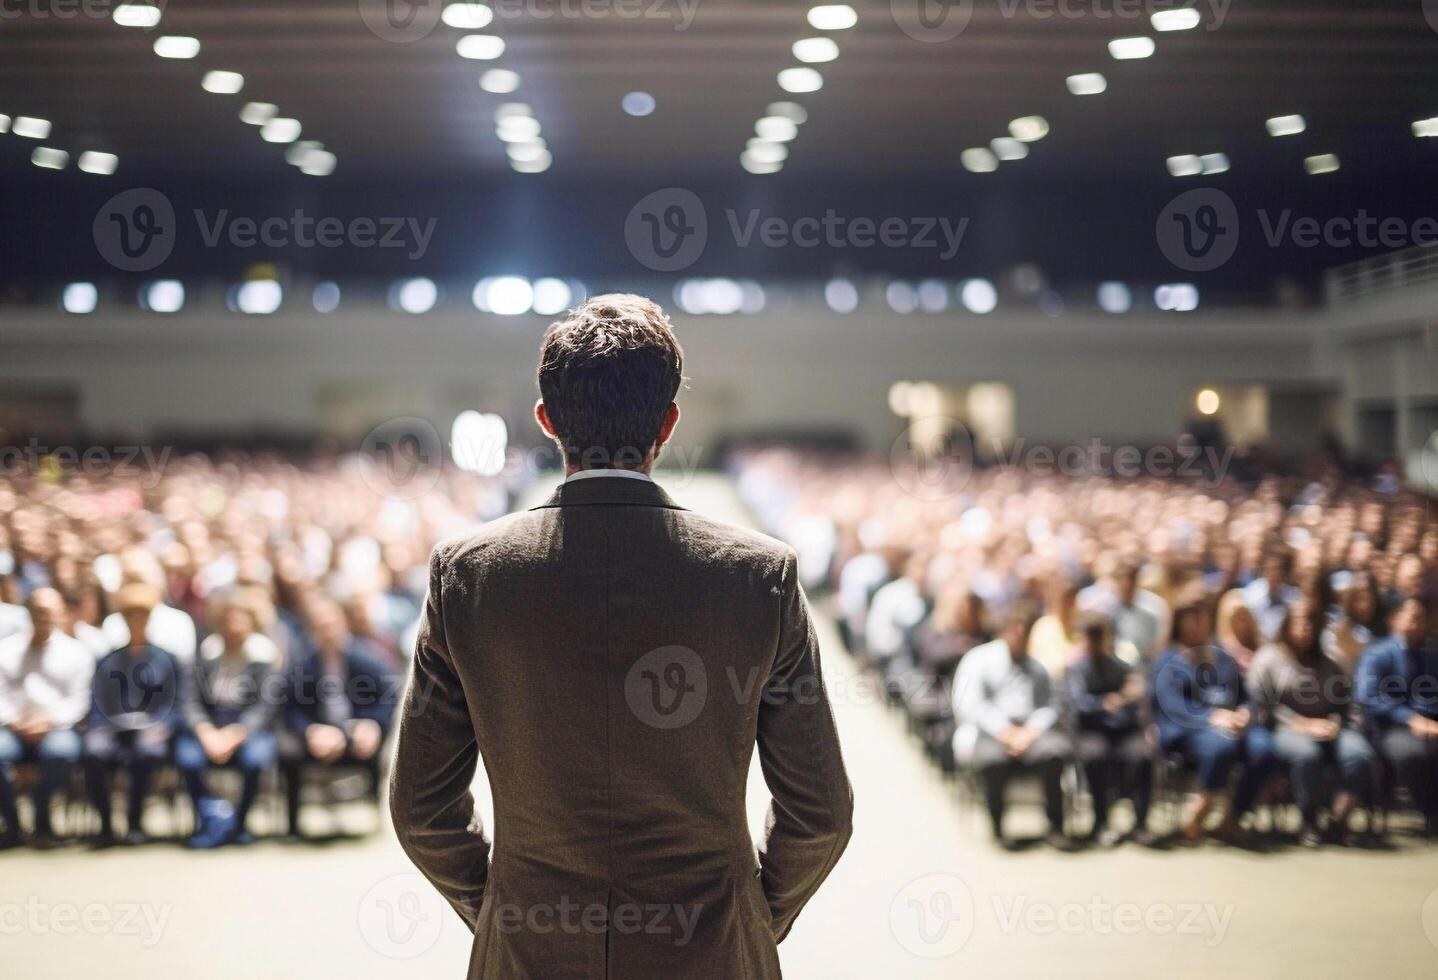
920, 893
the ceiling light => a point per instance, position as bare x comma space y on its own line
1322, 163
297, 152
979, 160
1008, 148
637, 103
259, 297
1207, 401
1214, 163
832, 17
137, 15
507, 110
506, 295
163, 296
778, 129
1086, 83
800, 80
933, 296
1185, 165
1179, 297
1286, 125
536, 166
841, 295
222, 82
756, 166
517, 129
762, 151
49, 158
1131, 48
500, 81
31, 127
1114, 297
327, 297
480, 47
979, 296
1029, 128
527, 152
280, 130
551, 296
1183, 19
815, 50
901, 297
789, 110
79, 297
1421, 128
319, 163
94, 162
177, 46
467, 16
258, 113
5, 123
414, 296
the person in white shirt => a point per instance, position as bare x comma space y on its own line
44, 693
1008, 718
13, 619
1140, 617
170, 629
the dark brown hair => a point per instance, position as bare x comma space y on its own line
608, 372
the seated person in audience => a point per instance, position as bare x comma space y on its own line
1397, 688
1305, 699
897, 607
1055, 636
1238, 629
170, 629
44, 693
1007, 712
134, 717
230, 701
861, 577
1357, 623
1104, 696
1270, 595
1201, 712
341, 700
1139, 616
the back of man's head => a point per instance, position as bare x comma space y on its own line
608, 373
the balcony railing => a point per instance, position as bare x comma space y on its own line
1383, 273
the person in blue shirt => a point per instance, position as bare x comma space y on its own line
134, 717
1397, 688
1202, 714
341, 700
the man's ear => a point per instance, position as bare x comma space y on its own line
541, 415
671, 419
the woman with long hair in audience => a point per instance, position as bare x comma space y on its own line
1056, 634
1237, 629
1357, 623
1306, 699
1203, 717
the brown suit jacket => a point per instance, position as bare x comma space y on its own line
614, 658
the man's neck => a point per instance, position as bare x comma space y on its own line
570, 469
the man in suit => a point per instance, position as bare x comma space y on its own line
615, 659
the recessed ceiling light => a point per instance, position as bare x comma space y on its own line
1214, 163
163, 296
1008, 148
979, 160
31, 127
1029, 128
779, 129
500, 81
414, 296
1180, 297
177, 46
5, 123
280, 130
536, 166
506, 110
137, 15
297, 152
979, 296
637, 103
1185, 165
79, 297
480, 47
1322, 163
319, 163
756, 166
1183, 19
517, 129
94, 162
763, 151
832, 17
800, 80
1086, 83
258, 113
789, 110
49, 158
1421, 128
258, 297
815, 50
527, 152
1131, 48
1286, 125
222, 82
467, 16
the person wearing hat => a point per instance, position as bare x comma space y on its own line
135, 714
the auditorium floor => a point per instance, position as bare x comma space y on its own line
920, 893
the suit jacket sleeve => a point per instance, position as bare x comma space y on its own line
811, 816
435, 757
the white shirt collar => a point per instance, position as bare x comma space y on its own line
587, 474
